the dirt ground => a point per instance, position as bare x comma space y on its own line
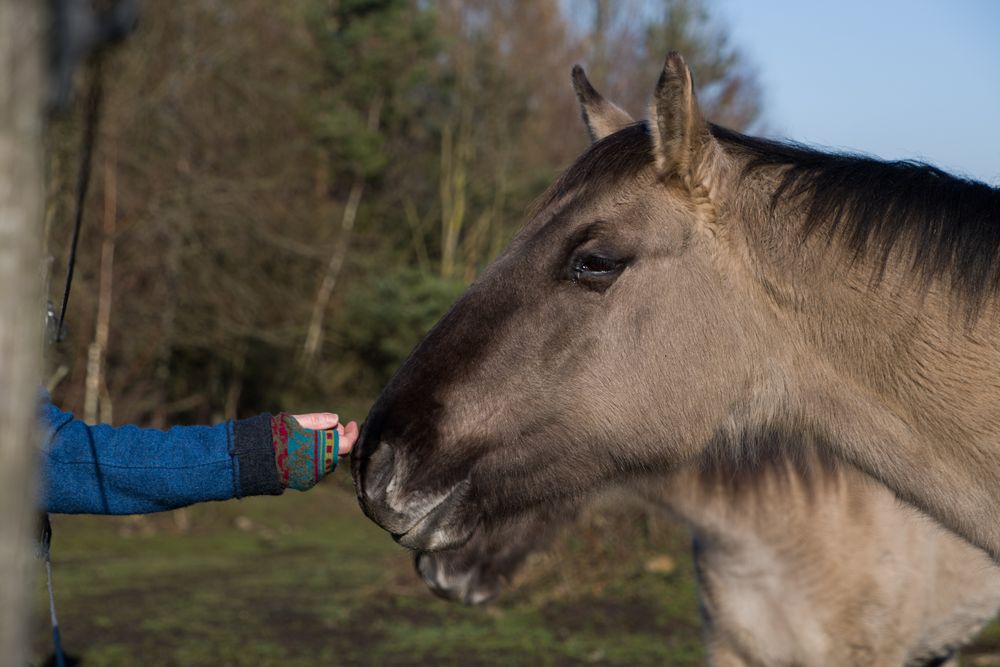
305, 579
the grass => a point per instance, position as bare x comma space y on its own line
305, 579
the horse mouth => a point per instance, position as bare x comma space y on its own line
442, 526
423, 519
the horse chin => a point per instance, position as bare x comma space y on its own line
464, 586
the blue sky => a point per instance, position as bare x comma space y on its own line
897, 79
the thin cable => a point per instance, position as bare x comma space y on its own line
45, 552
56, 639
83, 182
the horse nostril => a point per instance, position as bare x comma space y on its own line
379, 468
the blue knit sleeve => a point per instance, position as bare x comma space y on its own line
130, 470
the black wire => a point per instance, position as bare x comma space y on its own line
83, 181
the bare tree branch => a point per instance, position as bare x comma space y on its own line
336, 264
95, 408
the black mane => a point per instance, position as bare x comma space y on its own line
947, 227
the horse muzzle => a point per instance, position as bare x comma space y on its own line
427, 521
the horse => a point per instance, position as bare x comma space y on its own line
799, 563
684, 293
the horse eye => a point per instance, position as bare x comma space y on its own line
597, 265
596, 271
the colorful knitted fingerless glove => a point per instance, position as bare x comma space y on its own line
303, 455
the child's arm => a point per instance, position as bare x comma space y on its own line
130, 470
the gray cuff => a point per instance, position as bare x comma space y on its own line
253, 450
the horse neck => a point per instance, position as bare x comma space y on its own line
795, 547
880, 327
892, 374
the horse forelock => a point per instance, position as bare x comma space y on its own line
604, 165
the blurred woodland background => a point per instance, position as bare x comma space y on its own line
286, 196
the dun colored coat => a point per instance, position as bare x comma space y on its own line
685, 293
798, 564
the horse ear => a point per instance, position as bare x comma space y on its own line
681, 138
599, 115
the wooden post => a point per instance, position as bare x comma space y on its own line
22, 88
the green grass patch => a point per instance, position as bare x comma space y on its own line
306, 579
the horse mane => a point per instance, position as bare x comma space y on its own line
946, 227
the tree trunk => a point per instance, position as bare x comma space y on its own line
336, 264
97, 406
176, 229
21, 212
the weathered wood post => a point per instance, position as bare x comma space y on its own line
22, 89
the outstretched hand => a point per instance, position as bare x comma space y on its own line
323, 421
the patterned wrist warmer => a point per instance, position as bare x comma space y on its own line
303, 456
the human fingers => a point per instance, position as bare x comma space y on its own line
318, 421
348, 436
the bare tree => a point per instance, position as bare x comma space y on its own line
21, 200
336, 264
